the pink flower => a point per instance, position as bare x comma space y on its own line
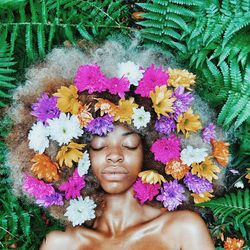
89, 77
145, 191
73, 186
166, 149
152, 77
118, 86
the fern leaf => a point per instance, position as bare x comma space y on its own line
178, 20
235, 74
41, 40
173, 8
243, 116
29, 42
152, 7
84, 33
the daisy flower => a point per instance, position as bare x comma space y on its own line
202, 197
151, 177
50, 200
221, 152
131, 71
233, 244
38, 137
165, 125
191, 155
64, 128
105, 106
208, 133
118, 86
140, 117
84, 164
177, 169
80, 210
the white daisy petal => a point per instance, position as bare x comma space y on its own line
80, 210
84, 164
140, 117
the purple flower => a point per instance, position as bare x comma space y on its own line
145, 191
171, 195
182, 102
208, 133
73, 186
101, 125
45, 108
49, 200
165, 125
118, 86
196, 184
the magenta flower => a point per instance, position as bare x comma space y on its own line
118, 86
171, 195
165, 125
208, 133
152, 77
196, 184
73, 186
182, 102
145, 191
45, 108
89, 77
49, 200
101, 125
37, 188
166, 149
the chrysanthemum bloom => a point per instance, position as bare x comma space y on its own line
166, 149
177, 169
37, 188
152, 77
50, 200
196, 184
84, 164
208, 133
202, 197
171, 195
145, 191
89, 77
80, 210
162, 100
105, 106
84, 116
131, 71
118, 86
165, 125
125, 111
67, 99
178, 77
70, 153
45, 108
221, 152
233, 244
73, 186
188, 122
151, 177
101, 125
140, 117
44, 168
206, 169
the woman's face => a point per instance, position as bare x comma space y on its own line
116, 159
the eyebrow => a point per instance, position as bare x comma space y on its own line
128, 133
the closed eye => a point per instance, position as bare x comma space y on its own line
97, 148
130, 147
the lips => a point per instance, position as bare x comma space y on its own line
114, 173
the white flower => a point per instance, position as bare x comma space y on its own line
131, 71
239, 184
84, 164
64, 128
80, 210
38, 137
191, 155
140, 117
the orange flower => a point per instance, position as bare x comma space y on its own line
84, 116
162, 100
233, 244
188, 122
105, 106
178, 77
248, 175
202, 197
221, 152
125, 111
151, 177
44, 168
206, 169
177, 169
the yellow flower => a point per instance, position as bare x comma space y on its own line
151, 177
70, 153
178, 77
162, 101
84, 116
233, 244
124, 110
177, 169
105, 106
206, 169
188, 122
205, 196
67, 101
248, 175
221, 152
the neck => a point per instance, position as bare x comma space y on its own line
117, 215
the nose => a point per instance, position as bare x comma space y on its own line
115, 155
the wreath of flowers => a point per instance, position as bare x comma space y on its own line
63, 118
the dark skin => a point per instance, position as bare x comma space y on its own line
116, 160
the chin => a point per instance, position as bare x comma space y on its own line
115, 187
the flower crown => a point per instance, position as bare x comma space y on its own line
63, 118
